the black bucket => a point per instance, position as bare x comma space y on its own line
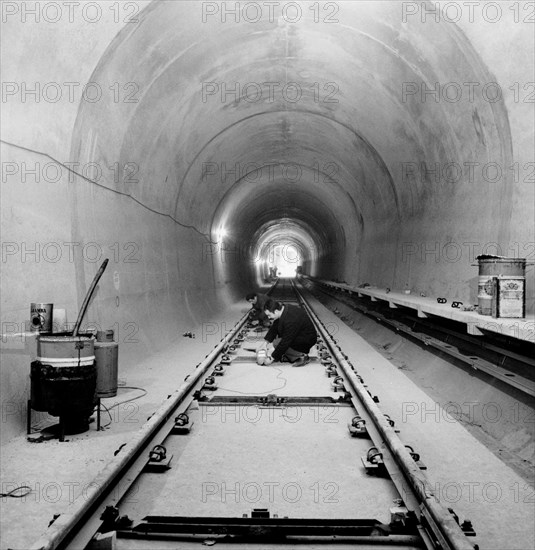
37, 396
63, 379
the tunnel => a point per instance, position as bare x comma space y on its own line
197, 144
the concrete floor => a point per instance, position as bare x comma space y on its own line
295, 461
296, 469
466, 476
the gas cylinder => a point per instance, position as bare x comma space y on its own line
107, 361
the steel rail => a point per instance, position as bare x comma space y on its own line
441, 521
64, 525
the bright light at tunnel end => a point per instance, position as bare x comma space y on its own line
286, 260
285, 245
221, 233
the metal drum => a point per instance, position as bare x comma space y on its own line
63, 379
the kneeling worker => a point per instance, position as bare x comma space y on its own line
258, 301
291, 336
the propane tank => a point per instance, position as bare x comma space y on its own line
107, 360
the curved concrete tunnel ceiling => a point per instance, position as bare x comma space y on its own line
218, 145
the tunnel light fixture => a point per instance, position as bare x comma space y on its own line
221, 234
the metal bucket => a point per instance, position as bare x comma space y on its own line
63, 379
490, 267
41, 317
106, 359
65, 350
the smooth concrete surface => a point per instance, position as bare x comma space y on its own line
296, 461
295, 466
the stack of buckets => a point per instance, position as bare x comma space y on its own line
502, 286
71, 372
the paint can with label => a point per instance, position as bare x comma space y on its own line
41, 317
495, 266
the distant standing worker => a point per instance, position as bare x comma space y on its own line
258, 301
291, 336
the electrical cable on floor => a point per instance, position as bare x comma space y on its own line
132, 398
108, 409
109, 414
259, 393
11, 494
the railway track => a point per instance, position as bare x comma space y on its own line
268, 456
501, 361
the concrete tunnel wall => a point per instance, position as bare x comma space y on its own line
341, 168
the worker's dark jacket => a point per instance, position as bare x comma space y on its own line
258, 307
295, 330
